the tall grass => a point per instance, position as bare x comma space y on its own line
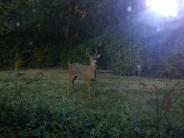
124, 108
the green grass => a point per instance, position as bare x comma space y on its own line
34, 103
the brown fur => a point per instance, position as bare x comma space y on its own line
85, 72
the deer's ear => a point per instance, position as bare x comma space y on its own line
98, 56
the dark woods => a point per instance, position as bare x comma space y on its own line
47, 33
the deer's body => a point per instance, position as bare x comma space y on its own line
85, 72
81, 71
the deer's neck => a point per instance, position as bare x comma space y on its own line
93, 68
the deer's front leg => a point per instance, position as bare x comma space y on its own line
93, 88
89, 87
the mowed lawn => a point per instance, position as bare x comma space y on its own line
133, 100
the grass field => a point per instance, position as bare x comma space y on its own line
34, 103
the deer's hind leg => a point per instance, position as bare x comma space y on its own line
73, 81
71, 84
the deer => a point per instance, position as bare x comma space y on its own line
85, 72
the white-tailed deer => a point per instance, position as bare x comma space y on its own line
85, 72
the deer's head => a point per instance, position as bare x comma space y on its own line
93, 59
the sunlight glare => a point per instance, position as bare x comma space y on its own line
164, 7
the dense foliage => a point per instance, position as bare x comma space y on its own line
47, 33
